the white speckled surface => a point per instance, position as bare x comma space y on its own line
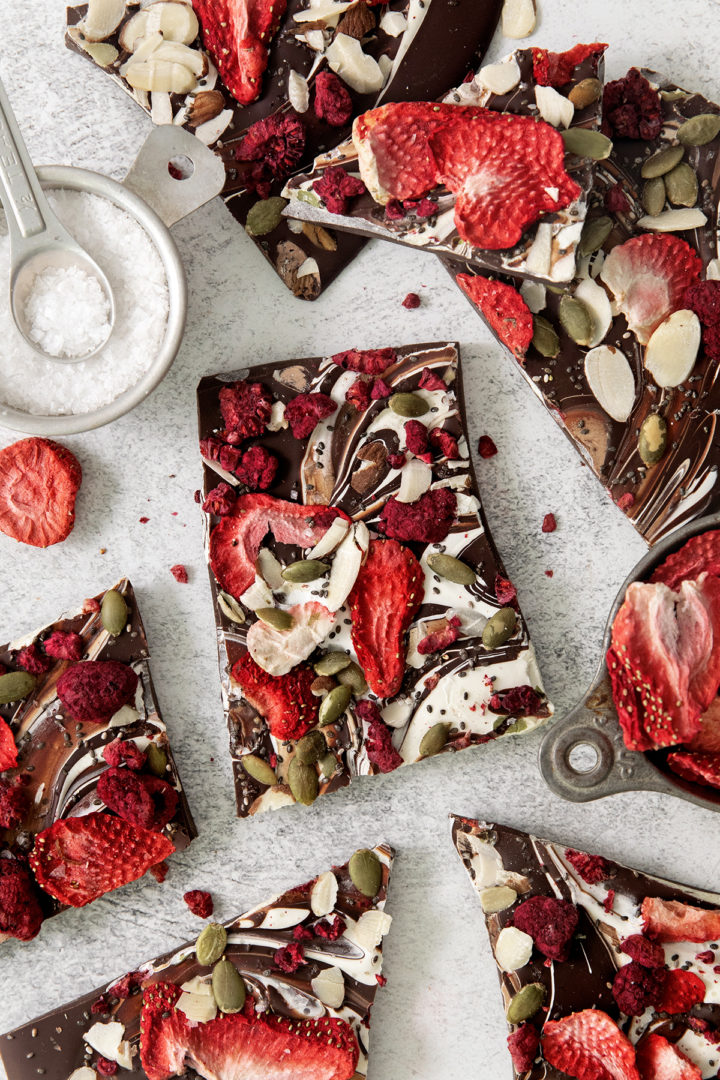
440, 1015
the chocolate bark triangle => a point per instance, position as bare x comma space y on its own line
600, 965
90, 796
364, 617
496, 189
326, 62
297, 980
625, 358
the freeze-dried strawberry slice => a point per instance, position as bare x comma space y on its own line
701, 554
682, 990
664, 663
78, 859
393, 152
504, 308
707, 740
39, 481
698, 768
556, 69
648, 276
285, 702
8, 749
671, 920
658, 1059
237, 33
235, 541
589, 1046
384, 600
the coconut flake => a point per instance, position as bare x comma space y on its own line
554, 108
83, 1073
324, 894
346, 565
371, 928
106, 1038
393, 23
199, 1008
539, 257
331, 539
611, 380
534, 295
279, 651
209, 132
355, 67
513, 948
298, 92
257, 595
327, 11
415, 479
329, 987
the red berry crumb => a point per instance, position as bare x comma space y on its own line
143, 520
101, 1006
632, 108
549, 573
550, 923
331, 931
609, 901
366, 361
13, 802
416, 439
396, 461
359, 395
626, 500
591, 868
517, 701
381, 980
20, 912
505, 591
636, 987
549, 523
336, 188
378, 743
257, 468
445, 443
64, 645
430, 380
644, 951
31, 659
199, 902
333, 103
220, 500
523, 1045
106, 1067
305, 411
486, 447
124, 752
412, 300
616, 200
290, 958
427, 520
302, 933
179, 572
440, 639
380, 390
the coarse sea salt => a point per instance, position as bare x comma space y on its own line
67, 311
132, 264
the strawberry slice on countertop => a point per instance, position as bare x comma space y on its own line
237, 34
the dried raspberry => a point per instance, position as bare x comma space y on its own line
632, 108
290, 958
549, 523
592, 868
427, 520
91, 606
31, 659
523, 1046
64, 645
412, 300
380, 390
124, 987
106, 1067
486, 447
245, 408
416, 439
92, 690
440, 639
504, 309
426, 208
214, 449
8, 747
556, 69
333, 103
381, 980
366, 361
396, 461
616, 200
359, 395
179, 572
379, 747
446, 443
609, 901
146, 801
682, 990
394, 210
706, 957
199, 902
20, 912
636, 987
331, 931
101, 1006
505, 591
302, 933
550, 923
704, 299
257, 468
430, 380
13, 802
518, 701
277, 142
143, 520
626, 500
306, 410
336, 188
220, 500
124, 752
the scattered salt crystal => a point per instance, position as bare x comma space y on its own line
67, 311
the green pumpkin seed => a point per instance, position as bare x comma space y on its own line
303, 782
699, 130
265, 216
228, 987
682, 185
544, 338
576, 320
311, 748
662, 162
497, 898
408, 405
525, 1003
585, 143
354, 677
308, 197
230, 608
157, 759
595, 233
259, 769
452, 569
585, 93
114, 612
652, 441
499, 628
653, 196
328, 765
211, 944
305, 570
331, 663
434, 740
279, 620
334, 705
673, 95
365, 871
517, 727
15, 686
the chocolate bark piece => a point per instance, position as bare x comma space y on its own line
546, 250
683, 483
356, 460
508, 867
348, 962
60, 758
413, 68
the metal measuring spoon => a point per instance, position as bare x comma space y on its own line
37, 239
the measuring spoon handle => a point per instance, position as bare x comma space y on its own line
21, 194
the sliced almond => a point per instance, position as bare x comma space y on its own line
672, 350
611, 380
513, 948
554, 108
199, 984
199, 1008
500, 78
146, 46
327, 11
177, 53
298, 92
102, 53
209, 132
102, 19
518, 18
83, 1073
355, 67
329, 987
674, 220
596, 300
324, 894
161, 75
331, 539
175, 20
371, 928
415, 479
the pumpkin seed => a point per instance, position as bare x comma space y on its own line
682, 185
499, 628
328, 765
157, 759
653, 196
331, 663
228, 987
575, 320
662, 162
517, 727
354, 677
305, 570
265, 216
303, 782
279, 620
497, 898
408, 405
434, 740
230, 608
308, 197
525, 1003
259, 769
15, 686
585, 143
211, 943
311, 747
595, 233
544, 338
365, 871
699, 130
334, 705
452, 569
114, 612
652, 441
673, 95
585, 93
